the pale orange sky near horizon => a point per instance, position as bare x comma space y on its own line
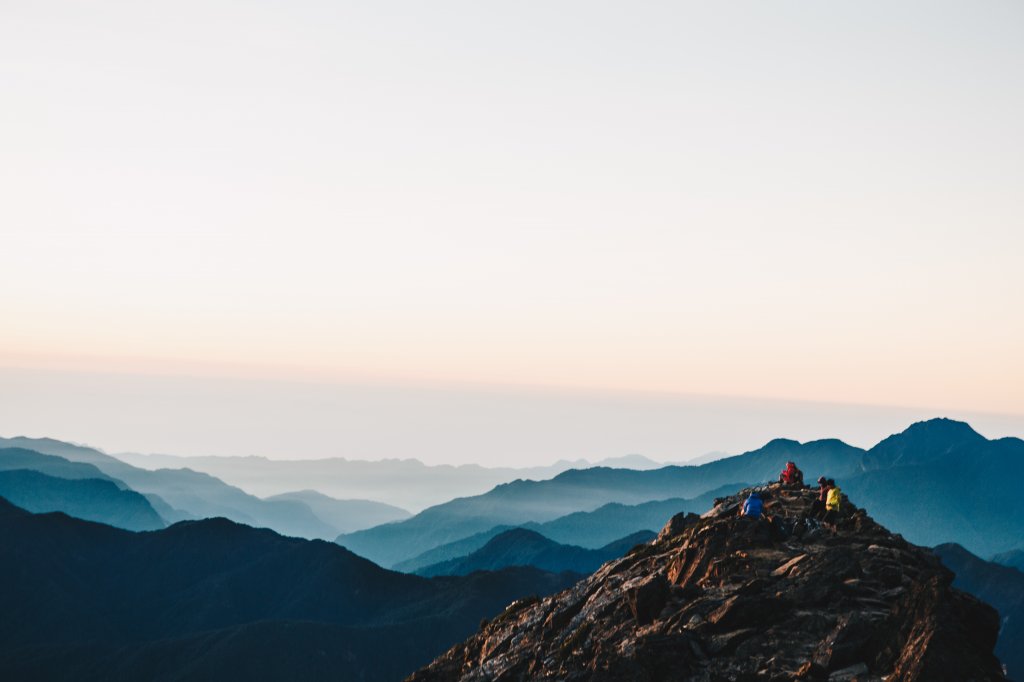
801, 201
182, 414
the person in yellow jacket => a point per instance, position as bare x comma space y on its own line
832, 503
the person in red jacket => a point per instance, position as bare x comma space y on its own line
791, 475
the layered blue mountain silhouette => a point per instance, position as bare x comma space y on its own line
345, 515
586, 529
523, 547
576, 490
213, 599
1014, 558
180, 494
937, 481
12, 458
613, 520
940, 481
85, 498
406, 483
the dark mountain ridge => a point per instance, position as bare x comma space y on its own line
1000, 586
215, 595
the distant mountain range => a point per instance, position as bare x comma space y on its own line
43, 483
345, 515
91, 499
1014, 558
1000, 586
586, 529
13, 458
935, 482
615, 520
180, 494
58, 448
191, 494
521, 502
940, 481
405, 483
219, 594
523, 547
214, 599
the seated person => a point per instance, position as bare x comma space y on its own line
818, 506
831, 517
753, 506
791, 475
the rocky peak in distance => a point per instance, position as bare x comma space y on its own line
720, 598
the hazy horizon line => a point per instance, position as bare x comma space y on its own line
152, 366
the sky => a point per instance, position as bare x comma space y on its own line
813, 203
437, 423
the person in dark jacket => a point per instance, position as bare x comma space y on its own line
752, 506
818, 506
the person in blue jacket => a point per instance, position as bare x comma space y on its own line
752, 506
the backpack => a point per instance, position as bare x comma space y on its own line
832, 503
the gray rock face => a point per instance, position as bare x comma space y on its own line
721, 597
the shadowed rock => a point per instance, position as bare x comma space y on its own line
723, 597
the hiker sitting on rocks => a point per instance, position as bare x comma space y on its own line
752, 506
791, 475
818, 506
831, 517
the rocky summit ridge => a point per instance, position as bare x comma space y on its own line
720, 597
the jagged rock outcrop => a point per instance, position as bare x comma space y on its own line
719, 597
